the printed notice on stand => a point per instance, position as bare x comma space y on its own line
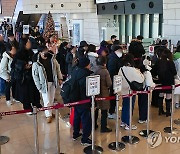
93, 85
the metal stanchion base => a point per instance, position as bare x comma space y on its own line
143, 133
4, 140
121, 146
168, 130
97, 150
126, 139
177, 121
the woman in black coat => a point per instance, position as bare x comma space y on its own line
166, 71
26, 91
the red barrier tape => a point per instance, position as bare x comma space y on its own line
59, 105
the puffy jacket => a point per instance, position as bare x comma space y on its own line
39, 74
92, 57
114, 64
132, 74
5, 66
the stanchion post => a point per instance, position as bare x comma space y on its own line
118, 146
93, 122
130, 139
36, 141
57, 131
171, 129
145, 133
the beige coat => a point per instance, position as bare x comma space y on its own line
105, 85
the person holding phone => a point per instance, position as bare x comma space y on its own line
26, 91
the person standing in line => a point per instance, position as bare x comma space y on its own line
113, 66
132, 74
82, 113
92, 55
166, 71
2, 46
177, 64
12, 40
111, 42
5, 70
71, 59
106, 83
26, 91
47, 75
82, 50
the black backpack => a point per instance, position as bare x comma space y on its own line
70, 90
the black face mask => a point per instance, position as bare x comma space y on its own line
47, 54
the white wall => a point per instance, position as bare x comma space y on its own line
171, 15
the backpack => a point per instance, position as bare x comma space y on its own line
134, 85
70, 90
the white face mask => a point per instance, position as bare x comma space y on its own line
119, 54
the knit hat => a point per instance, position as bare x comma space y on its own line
83, 62
83, 44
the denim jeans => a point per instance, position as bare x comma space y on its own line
125, 109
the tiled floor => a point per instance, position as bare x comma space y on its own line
20, 130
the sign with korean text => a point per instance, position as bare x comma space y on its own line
117, 84
93, 85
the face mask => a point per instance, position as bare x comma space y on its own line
119, 54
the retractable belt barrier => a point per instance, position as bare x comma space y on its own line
114, 145
59, 105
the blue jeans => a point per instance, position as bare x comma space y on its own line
125, 109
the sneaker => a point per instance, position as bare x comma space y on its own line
134, 127
77, 137
112, 116
49, 119
14, 100
29, 113
106, 130
177, 105
122, 124
9, 103
86, 143
142, 121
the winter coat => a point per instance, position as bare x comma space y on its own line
106, 83
61, 58
34, 42
5, 66
70, 62
82, 73
177, 62
40, 77
80, 53
132, 74
114, 64
166, 72
92, 57
26, 90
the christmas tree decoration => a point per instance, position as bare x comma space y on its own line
50, 26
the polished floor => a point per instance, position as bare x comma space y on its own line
20, 130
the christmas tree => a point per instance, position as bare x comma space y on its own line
50, 26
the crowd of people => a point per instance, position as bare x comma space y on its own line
33, 68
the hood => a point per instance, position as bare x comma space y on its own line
5, 54
176, 55
93, 54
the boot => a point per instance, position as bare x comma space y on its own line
168, 107
160, 104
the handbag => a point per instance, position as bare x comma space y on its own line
134, 85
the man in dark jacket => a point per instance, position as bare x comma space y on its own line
113, 66
82, 113
82, 49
